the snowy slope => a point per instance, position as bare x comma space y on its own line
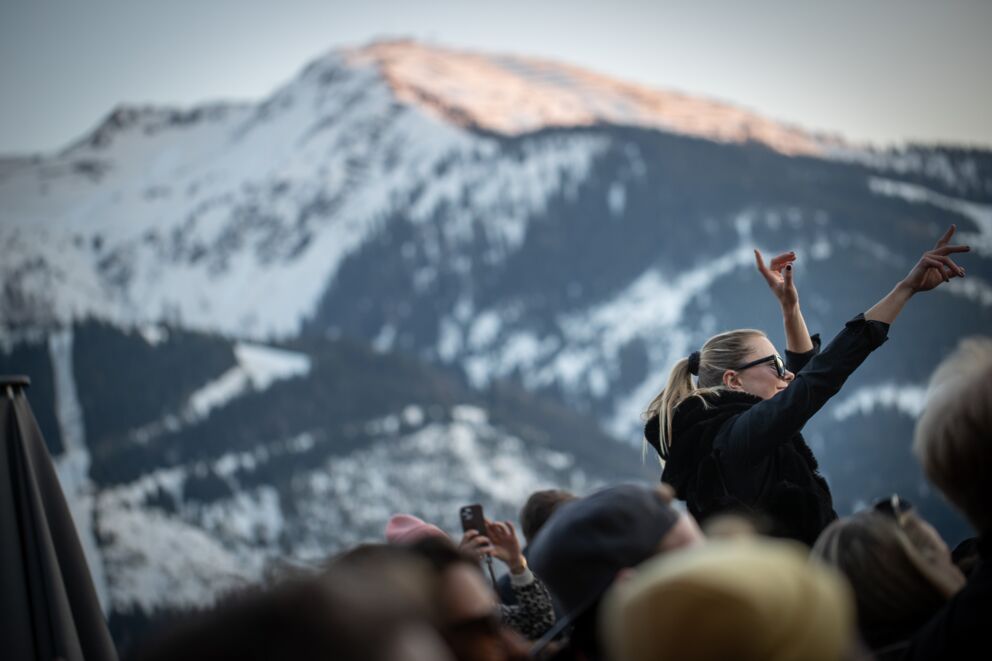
237, 218
231, 222
158, 560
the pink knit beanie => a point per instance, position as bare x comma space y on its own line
407, 529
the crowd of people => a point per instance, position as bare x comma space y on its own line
755, 565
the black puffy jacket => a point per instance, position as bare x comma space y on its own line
737, 452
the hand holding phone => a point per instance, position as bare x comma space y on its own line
494, 539
473, 519
474, 541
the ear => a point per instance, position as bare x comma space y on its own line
731, 380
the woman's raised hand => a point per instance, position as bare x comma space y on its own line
505, 545
500, 542
936, 266
778, 275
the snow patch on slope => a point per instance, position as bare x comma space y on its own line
971, 287
980, 214
962, 173
157, 561
585, 356
907, 399
348, 500
73, 465
257, 368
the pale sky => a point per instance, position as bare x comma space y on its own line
883, 71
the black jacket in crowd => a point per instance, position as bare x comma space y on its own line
960, 630
739, 453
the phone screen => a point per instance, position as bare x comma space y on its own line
472, 518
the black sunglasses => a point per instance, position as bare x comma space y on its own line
775, 359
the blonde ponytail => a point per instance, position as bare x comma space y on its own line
678, 388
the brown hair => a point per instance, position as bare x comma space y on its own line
349, 618
953, 438
720, 353
900, 570
539, 508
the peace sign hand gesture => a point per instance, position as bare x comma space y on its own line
778, 275
936, 266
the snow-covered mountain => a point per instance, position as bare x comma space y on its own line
193, 292
237, 218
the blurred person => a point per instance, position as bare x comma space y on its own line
469, 617
532, 612
349, 615
758, 599
407, 574
538, 508
731, 526
953, 441
731, 440
591, 541
899, 567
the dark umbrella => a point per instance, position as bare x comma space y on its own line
49, 606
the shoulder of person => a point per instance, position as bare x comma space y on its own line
712, 403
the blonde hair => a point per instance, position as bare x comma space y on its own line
901, 570
730, 599
720, 353
953, 438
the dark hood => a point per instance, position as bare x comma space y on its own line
695, 424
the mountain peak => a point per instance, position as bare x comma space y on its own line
512, 95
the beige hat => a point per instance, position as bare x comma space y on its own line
738, 599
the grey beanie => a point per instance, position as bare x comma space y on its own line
586, 542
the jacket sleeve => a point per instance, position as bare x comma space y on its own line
756, 432
794, 362
534, 613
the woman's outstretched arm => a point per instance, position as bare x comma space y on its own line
770, 422
778, 275
935, 267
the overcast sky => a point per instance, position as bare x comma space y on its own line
878, 70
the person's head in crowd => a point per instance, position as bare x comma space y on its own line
732, 526
403, 572
759, 599
590, 541
953, 437
538, 508
406, 529
899, 567
345, 615
467, 609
